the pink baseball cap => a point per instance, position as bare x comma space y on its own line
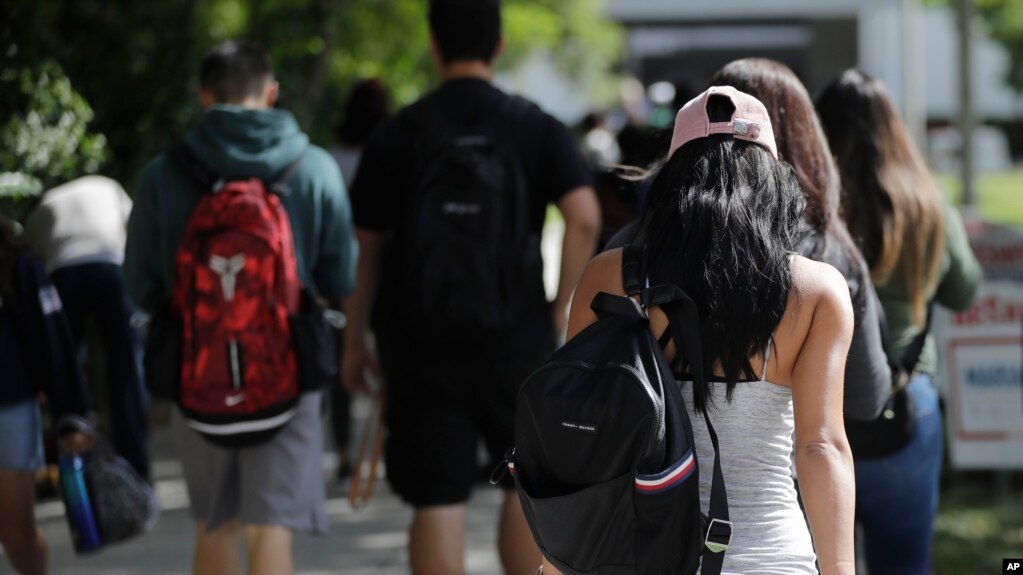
749, 122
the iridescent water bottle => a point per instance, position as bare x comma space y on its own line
80, 518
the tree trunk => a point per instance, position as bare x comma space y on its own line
326, 12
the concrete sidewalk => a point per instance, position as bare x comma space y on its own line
371, 541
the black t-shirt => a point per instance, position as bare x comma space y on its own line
549, 157
550, 161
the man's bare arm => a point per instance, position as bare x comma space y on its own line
357, 356
581, 212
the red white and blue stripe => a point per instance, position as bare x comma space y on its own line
669, 478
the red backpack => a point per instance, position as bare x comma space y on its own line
235, 287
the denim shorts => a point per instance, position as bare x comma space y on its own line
21, 440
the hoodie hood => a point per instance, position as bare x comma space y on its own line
238, 142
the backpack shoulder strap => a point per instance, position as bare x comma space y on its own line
279, 185
916, 347
507, 124
208, 180
427, 125
684, 325
633, 269
199, 173
911, 356
431, 127
514, 108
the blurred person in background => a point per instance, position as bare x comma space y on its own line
801, 143
38, 358
617, 194
599, 143
79, 230
368, 105
642, 139
639, 143
437, 183
919, 255
263, 492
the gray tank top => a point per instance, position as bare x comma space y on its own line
755, 430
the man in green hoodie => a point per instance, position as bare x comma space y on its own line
269, 490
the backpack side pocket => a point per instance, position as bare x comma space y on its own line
162, 359
590, 529
316, 341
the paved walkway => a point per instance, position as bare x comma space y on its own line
371, 541
367, 542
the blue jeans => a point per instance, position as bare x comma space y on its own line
897, 496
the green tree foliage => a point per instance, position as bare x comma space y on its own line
131, 60
45, 140
135, 61
1004, 19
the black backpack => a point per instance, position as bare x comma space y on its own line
469, 259
604, 460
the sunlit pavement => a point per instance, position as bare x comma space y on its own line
369, 541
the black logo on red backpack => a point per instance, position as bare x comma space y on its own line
235, 287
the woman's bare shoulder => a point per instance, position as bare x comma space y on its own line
815, 281
819, 303
603, 274
819, 290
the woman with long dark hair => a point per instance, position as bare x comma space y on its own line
918, 255
723, 220
801, 143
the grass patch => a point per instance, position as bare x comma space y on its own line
974, 531
999, 195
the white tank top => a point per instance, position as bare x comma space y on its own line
769, 533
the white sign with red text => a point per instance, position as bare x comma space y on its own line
981, 360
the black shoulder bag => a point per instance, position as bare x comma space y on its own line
892, 431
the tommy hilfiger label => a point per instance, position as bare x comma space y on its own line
576, 426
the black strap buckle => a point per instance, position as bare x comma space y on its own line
658, 295
719, 535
